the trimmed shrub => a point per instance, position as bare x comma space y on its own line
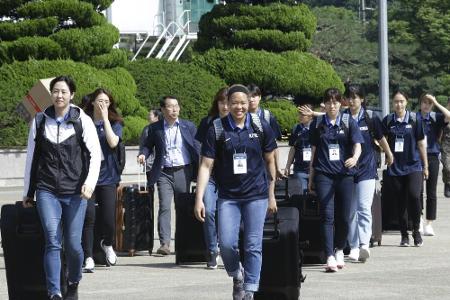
115, 58
133, 128
17, 78
194, 87
225, 27
100, 5
37, 27
82, 13
31, 47
285, 111
289, 73
80, 44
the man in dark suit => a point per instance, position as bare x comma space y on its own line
176, 154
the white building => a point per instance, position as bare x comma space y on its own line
142, 22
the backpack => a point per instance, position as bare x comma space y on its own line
412, 118
255, 123
266, 115
120, 156
344, 121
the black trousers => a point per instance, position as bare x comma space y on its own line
105, 198
408, 188
431, 186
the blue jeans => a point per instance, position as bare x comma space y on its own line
303, 178
253, 213
61, 216
209, 227
360, 220
335, 192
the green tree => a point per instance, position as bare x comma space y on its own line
55, 29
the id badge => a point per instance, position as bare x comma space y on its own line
240, 163
306, 154
333, 150
399, 142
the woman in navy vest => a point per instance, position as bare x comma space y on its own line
219, 109
102, 109
240, 155
433, 124
336, 147
360, 221
406, 138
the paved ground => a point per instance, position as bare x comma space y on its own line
391, 273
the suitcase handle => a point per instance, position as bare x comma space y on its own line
142, 171
272, 232
28, 227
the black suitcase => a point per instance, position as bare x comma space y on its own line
389, 205
134, 220
281, 271
377, 228
285, 189
190, 243
23, 251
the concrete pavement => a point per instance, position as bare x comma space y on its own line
391, 272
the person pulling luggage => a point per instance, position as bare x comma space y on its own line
240, 146
219, 109
101, 107
62, 168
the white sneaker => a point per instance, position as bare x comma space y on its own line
340, 258
89, 265
354, 254
331, 265
364, 253
110, 254
428, 230
421, 225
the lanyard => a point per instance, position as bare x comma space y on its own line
169, 139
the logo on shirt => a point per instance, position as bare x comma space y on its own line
253, 135
363, 128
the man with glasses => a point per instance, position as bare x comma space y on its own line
176, 152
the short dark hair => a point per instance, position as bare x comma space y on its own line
221, 95
237, 88
162, 102
113, 115
254, 90
354, 89
332, 94
69, 81
157, 113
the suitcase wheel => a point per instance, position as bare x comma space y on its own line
131, 252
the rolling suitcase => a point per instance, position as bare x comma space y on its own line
190, 243
285, 189
281, 271
23, 251
134, 219
377, 230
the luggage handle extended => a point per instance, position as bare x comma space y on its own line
273, 232
139, 178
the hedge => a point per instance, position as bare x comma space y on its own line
285, 111
17, 78
82, 13
100, 5
29, 47
7, 6
289, 73
194, 87
219, 27
133, 129
10, 31
115, 58
275, 40
80, 44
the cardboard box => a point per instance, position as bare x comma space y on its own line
36, 100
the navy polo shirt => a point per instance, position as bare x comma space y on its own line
367, 164
408, 161
432, 129
325, 135
272, 122
299, 139
108, 168
252, 185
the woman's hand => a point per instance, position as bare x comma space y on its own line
103, 109
86, 192
351, 162
306, 111
287, 171
27, 202
199, 211
141, 159
425, 173
272, 208
389, 159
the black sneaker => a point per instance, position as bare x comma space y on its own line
417, 239
212, 260
447, 190
404, 241
72, 291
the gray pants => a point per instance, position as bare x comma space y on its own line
170, 184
